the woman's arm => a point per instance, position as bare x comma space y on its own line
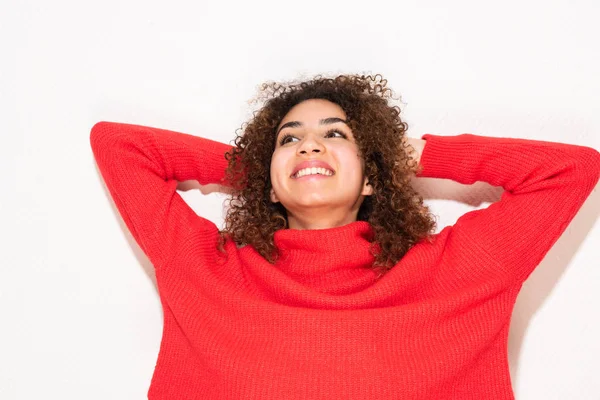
142, 167
545, 184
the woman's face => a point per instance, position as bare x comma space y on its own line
313, 135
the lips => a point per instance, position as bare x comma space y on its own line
311, 164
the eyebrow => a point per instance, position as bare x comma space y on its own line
325, 121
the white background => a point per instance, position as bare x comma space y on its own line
81, 318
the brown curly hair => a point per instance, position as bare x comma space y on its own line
395, 210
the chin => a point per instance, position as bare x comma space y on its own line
309, 202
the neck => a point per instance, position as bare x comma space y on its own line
321, 219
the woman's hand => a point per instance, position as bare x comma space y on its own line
417, 145
184, 186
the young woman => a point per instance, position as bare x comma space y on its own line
328, 281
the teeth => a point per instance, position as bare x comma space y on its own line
313, 171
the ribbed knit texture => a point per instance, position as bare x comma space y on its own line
319, 324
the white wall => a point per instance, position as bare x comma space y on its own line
81, 318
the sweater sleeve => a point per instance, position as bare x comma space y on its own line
141, 167
545, 184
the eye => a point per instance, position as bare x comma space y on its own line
284, 139
332, 131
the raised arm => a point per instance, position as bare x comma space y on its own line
545, 185
141, 167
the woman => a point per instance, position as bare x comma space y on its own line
327, 281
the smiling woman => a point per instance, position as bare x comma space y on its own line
327, 282
316, 199
347, 126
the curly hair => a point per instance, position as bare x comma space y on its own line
395, 210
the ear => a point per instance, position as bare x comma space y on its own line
367, 189
273, 196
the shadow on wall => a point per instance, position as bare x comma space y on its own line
542, 280
143, 260
534, 292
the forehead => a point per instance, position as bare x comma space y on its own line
313, 110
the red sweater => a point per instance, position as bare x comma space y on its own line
319, 324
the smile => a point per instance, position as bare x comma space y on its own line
312, 171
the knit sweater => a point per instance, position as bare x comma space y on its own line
319, 323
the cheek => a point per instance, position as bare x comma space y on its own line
350, 158
277, 167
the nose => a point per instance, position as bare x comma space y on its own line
310, 144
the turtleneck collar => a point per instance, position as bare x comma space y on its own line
332, 260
